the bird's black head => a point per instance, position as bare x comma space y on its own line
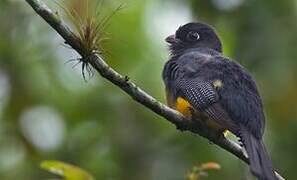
194, 35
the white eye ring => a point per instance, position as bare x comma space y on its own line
193, 36
197, 35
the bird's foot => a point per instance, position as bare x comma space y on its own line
216, 135
182, 127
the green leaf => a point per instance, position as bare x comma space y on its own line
67, 171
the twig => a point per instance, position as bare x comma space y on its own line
130, 88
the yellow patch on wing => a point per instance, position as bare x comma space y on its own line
183, 106
217, 84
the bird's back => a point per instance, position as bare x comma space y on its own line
238, 95
216, 90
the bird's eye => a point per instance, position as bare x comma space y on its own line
193, 36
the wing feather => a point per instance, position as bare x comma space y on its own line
204, 97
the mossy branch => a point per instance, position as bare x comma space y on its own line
129, 87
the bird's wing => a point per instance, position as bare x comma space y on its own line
204, 98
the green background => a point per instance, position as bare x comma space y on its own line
47, 110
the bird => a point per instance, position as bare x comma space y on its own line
205, 85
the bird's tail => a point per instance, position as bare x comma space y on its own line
260, 162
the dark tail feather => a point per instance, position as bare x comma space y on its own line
260, 162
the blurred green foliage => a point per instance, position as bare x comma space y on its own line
67, 171
47, 110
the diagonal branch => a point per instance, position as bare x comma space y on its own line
130, 88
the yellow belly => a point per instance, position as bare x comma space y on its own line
183, 106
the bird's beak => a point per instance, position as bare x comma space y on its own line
171, 39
